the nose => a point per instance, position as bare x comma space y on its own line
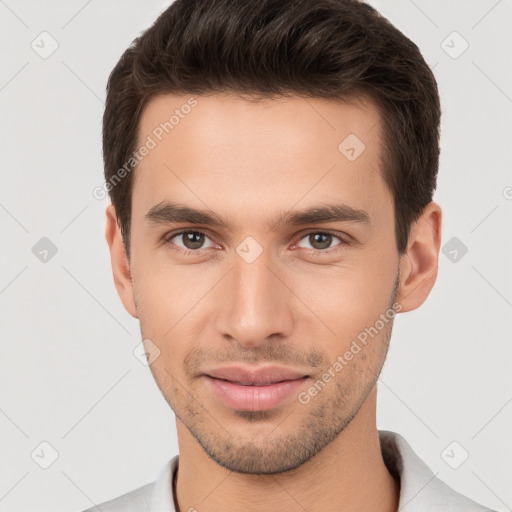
255, 303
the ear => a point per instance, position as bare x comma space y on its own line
119, 261
419, 264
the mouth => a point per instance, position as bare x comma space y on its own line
254, 390
254, 383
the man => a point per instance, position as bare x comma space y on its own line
271, 167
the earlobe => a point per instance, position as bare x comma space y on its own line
419, 264
119, 261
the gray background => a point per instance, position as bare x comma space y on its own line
68, 374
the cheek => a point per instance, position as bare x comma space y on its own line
178, 303
343, 303
169, 296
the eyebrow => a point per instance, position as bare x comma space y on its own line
167, 212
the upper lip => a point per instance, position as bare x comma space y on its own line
258, 376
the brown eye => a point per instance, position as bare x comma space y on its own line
190, 240
321, 241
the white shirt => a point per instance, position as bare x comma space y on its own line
420, 490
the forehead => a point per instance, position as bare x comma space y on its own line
223, 151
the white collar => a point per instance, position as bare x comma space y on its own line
420, 489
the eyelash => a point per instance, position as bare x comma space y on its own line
342, 238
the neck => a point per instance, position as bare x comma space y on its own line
349, 474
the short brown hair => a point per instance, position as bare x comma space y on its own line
312, 48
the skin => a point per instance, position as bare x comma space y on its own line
299, 304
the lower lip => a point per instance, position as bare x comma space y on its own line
254, 398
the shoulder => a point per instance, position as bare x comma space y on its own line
133, 501
420, 489
154, 496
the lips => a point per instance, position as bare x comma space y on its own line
254, 389
258, 377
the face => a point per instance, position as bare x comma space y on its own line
255, 301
